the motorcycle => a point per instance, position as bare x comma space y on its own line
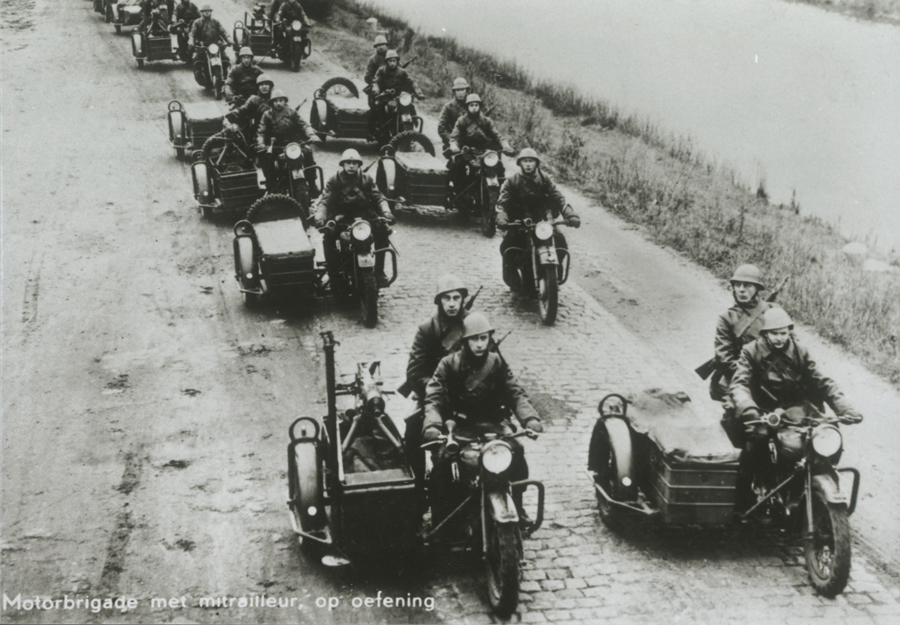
798, 487
481, 189
479, 505
398, 115
356, 257
215, 69
541, 266
290, 174
295, 43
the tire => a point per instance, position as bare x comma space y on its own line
369, 301
215, 144
273, 207
502, 567
301, 195
828, 551
607, 466
489, 213
140, 63
407, 141
118, 29
179, 154
343, 82
216, 79
548, 294
296, 56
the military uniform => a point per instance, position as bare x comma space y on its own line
158, 25
241, 81
291, 10
436, 338
452, 111
203, 33
397, 79
736, 327
285, 126
187, 13
766, 378
375, 62
249, 114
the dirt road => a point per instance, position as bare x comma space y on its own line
144, 409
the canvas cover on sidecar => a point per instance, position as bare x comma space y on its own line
684, 431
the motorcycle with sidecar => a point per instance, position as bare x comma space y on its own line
259, 33
397, 115
224, 174
657, 455
541, 266
338, 111
214, 68
123, 13
190, 125
352, 493
155, 44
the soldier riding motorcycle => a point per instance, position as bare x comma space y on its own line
393, 91
241, 83
211, 64
292, 34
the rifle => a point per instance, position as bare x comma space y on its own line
709, 367
405, 65
471, 301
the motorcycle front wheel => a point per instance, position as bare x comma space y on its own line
368, 299
217, 82
828, 551
548, 294
502, 564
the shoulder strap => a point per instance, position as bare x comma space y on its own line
745, 324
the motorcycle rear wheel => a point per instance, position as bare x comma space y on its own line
502, 565
369, 301
548, 294
828, 550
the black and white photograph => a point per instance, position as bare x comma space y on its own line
450, 311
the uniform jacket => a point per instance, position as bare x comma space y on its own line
291, 10
397, 79
249, 114
475, 132
186, 13
435, 338
766, 378
452, 111
479, 392
242, 80
731, 323
375, 62
208, 31
351, 196
285, 126
534, 196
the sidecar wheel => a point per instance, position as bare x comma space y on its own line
502, 564
369, 301
346, 83
274, 207
411, 141
828, 550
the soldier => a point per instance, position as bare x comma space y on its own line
530, 193
375, 62
279, 126
349, 194
205, 31
185, 11
286, 12
453, 110
246, 118
391, 77
241, 83
736, 327
474, 388
476, 131
154, 17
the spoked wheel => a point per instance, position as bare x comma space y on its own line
827, 551
502, 564
369, 301
488, 212
274, 207
411, 141
548, 294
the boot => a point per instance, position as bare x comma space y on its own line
525, 521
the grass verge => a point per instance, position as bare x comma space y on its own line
661, 182
887, 11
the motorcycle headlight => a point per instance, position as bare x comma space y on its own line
543, 231
213, 48
405, 99
497, 457
490, 159
293, 151
296, 25
362, 231
826, 440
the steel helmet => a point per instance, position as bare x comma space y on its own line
776, 318
748, 273
448, 283
264, 78
205, 7
350, 155
380, 40
528, 153
460, 83
476, 324
245, 51
276, 94
473, 97
391, 54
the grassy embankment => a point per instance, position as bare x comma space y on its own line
660, 181
887, 11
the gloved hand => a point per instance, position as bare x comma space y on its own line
502, 221
420, 97
534, 425
851, 419
390, 219
753, 430
573, 221
260, 149
431, 434
507, 149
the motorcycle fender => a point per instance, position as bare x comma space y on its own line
365, 260
406, 118
388, 168
243, 249
137, 46
547, 255
322, 109
176, 128
829, 489
115, 12
503, 510
201, 183
492, 181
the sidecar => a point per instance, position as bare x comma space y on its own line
146, 47
254, 32
657, 454
337, 110
409, 171
224, 177
123, 13
351, 492
190, 125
